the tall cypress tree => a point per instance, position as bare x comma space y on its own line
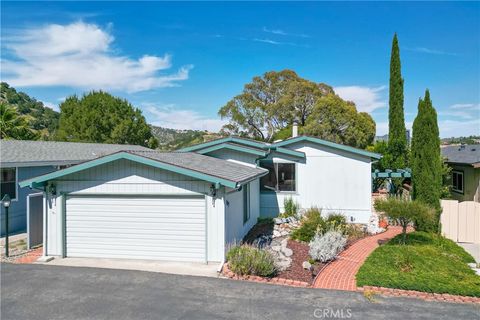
397, 137
425, 159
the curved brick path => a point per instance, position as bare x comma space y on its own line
340, 274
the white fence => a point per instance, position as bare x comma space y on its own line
461, 221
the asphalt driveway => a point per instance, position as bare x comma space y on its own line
55, 292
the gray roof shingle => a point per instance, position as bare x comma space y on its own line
468, 154
204, 164
31, 152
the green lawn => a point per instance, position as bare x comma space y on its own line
427, 263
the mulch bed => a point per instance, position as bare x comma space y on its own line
296, 270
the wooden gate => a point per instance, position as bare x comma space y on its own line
461, 221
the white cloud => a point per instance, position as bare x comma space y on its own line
269, 41
367, 99
431, 51
453, 128
51, 105
462, 110
448, 128
283, 33
170, 116
81, 55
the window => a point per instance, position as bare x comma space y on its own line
9, 182
246, 203
281, 177
457, 181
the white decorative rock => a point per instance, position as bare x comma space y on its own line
306, 265
287, 252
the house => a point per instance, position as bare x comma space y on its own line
311, 171
464, 160
21, 160
191, 204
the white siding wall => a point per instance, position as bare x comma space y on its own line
127, 177
330, 179
236, 229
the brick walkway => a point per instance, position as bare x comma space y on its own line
31, 256
340, 274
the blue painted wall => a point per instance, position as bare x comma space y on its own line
18, 209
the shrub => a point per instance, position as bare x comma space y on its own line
291, 208
404, 211
312, 222
326, 247
248, 260
336, 221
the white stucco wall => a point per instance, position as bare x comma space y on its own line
127, 177
334, 180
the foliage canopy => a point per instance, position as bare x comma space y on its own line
102, 118
271, 103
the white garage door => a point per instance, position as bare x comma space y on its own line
166, 228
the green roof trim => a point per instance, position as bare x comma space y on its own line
289, 152
232, 147
246, 142
328, 144
42, 180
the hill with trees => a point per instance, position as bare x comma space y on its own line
41, 120
173, 139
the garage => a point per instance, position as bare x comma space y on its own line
143, 205
154, 228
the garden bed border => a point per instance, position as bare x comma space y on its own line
428, 296
275, 280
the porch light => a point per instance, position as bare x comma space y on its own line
6, 201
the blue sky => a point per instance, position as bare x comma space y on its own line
181, 62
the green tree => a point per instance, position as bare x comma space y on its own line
426, 160
258, 112
100, 117
337, 120
13, 125
270, 104
397, 138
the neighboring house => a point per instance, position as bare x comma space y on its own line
148, 205
465, 163
190, 205
311, 171
21, 160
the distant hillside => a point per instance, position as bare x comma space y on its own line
461, 140
42, 119
172, 139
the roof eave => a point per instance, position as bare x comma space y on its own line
42, 180
231, 147
330, 144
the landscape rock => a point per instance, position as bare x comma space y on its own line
306, 265
287, 252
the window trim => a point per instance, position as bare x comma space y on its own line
16, 183
462, 173
246, 203
276, 174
